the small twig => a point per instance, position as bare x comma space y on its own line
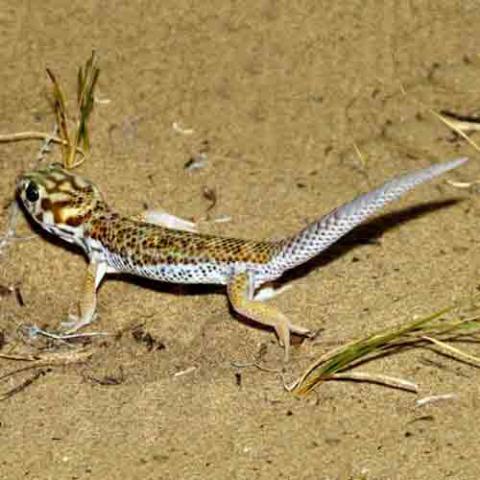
454, 352
379, 379
455, 126
20, 136
50, 359
435, 398
45, 360
32, 331
385, 380
210, 195
463, 185
23, 385
108, 380
462, 122
184, 131
185, 372
19, 358
45, 148
360, 155
17, 371
18, 295
224, 219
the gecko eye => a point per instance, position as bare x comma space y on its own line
31, 192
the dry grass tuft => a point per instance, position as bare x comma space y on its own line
437, 331
71, 131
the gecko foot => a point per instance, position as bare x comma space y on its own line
75, 323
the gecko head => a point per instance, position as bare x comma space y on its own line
60, 201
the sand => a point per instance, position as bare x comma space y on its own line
298, 106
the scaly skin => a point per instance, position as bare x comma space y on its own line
73, 208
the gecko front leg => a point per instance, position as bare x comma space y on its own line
88, 300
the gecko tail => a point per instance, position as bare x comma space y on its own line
319, 235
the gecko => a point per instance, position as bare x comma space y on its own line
166, 248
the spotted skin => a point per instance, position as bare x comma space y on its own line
73, 208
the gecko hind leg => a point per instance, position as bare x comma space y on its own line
165, 219
239, 291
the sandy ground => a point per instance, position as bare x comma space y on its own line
279, 97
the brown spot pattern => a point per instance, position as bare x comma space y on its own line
147, 244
